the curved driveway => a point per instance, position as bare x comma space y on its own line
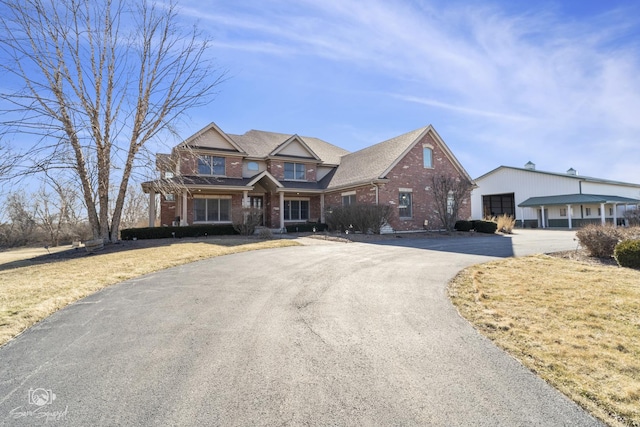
325, 334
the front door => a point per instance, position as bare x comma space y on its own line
257, 202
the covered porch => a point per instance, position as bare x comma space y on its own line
585, 202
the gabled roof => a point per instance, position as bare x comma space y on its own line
192, 141
294, 139
267, 175
563, 175
575, 199
375, 162
261, 144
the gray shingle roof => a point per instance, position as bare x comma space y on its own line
370, 163
575, 199
259, 144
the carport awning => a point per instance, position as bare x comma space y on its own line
576, 199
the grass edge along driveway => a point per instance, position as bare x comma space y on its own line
574, 324
30, 293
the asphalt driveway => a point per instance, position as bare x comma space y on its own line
325, 334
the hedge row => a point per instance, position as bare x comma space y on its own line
178, 232
306, 227
488, 227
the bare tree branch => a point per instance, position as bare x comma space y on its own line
449, 193
98, 78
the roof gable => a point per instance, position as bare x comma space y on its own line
261, 144
212, 137
375, 162
294, 147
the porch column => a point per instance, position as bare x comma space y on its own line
602, 217
522, 216
152, 207
245, 199
322, 208
183, 214
542, 216
569, 215
281, 210
615, 215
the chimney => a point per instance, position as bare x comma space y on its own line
530, 166
572, 171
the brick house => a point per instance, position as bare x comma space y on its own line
297, 179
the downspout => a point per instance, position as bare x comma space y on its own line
377, 190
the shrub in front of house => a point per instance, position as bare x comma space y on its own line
463, 225
488, 227
600, 240
627, 254
245, 220
359, 217
177, 232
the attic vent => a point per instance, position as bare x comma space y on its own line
572, 171
530, 166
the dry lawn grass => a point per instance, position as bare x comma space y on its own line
29, 293
576, 325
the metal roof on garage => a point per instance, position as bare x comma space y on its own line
575, 199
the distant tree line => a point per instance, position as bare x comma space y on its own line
55, 215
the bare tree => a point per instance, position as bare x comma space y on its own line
20, 230
99, 79
136, 208
57, 210
449, 192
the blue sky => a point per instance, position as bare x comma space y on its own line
503, 82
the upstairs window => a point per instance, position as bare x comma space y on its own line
427, 155
404, 205
211, 165
296, 171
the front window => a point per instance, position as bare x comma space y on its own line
404, 205
297, 171
349, 200
211, 165
296, 210
212, 210
587, 211
563, 211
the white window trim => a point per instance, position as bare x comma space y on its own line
430, 147
211, 196
303, 199
294, 172
405, 190
348, 193
211, 174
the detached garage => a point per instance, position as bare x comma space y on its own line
548, 199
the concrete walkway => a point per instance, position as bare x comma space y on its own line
325, 334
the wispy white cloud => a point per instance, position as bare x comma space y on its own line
532, 81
